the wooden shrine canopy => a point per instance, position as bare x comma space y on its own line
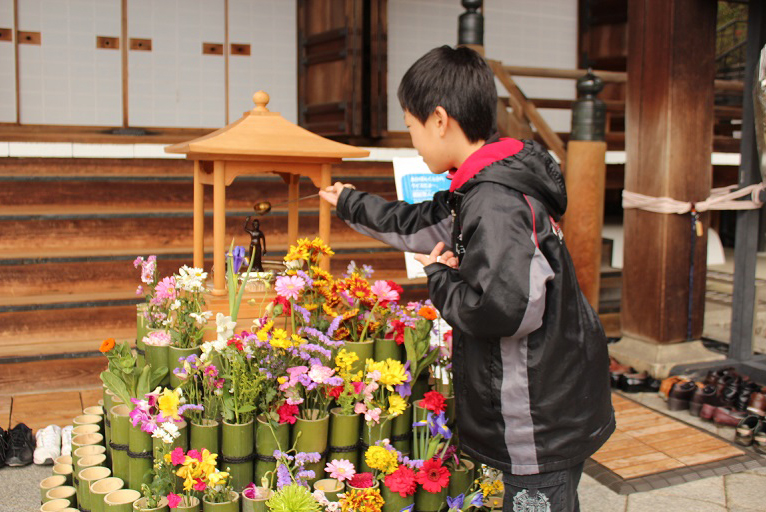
259, 142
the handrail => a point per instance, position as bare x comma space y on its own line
728, 24
606, 76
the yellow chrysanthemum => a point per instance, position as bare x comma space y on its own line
379, 458
297, 340
168, 404
280, 341
329, 311
392, 373
345, 359
396, 405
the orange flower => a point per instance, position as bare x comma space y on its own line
427, 312
106, 345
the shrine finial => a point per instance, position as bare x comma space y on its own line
261, 99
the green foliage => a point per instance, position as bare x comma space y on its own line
417, 343
123, 378
242, 389
293, 498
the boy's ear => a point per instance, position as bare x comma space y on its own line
442, 120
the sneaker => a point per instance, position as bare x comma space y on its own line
4, 446
48, 445
22, 444
66, 440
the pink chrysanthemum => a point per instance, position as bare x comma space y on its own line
383, 292
289, 287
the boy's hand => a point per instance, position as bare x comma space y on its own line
448, 258
331, 193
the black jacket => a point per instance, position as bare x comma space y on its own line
530, 361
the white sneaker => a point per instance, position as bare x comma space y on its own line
48, 445
66, 440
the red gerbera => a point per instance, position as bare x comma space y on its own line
402, 481
433, 476
361, 480
287, 413
434, 401
237, 343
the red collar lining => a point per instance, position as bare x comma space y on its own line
481, 158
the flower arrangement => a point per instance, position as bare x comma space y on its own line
291, 467
417, 339
160, 407
187, 319
380, 399
153, 314
123, 377
291, 498
236, 286
350, 391
202, 385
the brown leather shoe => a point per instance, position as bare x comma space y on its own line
708, 411
680, 395
702, 396
757, 403
727, 417
667, 385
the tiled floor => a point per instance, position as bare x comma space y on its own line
651, 450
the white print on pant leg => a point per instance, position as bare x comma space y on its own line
537, 502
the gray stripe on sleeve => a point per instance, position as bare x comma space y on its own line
422, 241
515, 401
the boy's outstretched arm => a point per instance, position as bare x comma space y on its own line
499, 290
408, 227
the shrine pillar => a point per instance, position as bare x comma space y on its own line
669, 139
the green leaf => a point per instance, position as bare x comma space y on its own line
142, 387
156, 377
116, 386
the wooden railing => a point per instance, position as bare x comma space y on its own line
524, 118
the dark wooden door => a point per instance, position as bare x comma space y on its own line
341, 67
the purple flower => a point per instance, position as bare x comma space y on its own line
303, 311
305, 276
438, 425
307, 457
334, 326
477, 500
283, 476
238, 256
192, 407
455, 503
408, 508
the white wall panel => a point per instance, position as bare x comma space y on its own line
7, 67
270, 28
66, 79
174, 84
540, 33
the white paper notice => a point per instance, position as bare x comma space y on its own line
416, 183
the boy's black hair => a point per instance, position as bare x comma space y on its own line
460, 81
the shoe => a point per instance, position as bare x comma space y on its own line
727, 417
616, 370
708, 411
633, 382
22, 446
4, 446
66, 440
48, 445
667, 384
744, 433
702, 396
743, 398
757, 403
759, 438
680, 395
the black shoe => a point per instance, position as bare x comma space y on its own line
4, 446
22, 446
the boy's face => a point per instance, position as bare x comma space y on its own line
428, 139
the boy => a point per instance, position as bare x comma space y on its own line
530, 362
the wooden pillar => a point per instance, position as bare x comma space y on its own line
671, 68
324, 213
219, 228
584, 219
293, 207
199, 217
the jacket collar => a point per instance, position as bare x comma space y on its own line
482, 157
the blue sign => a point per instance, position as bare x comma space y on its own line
422, 187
